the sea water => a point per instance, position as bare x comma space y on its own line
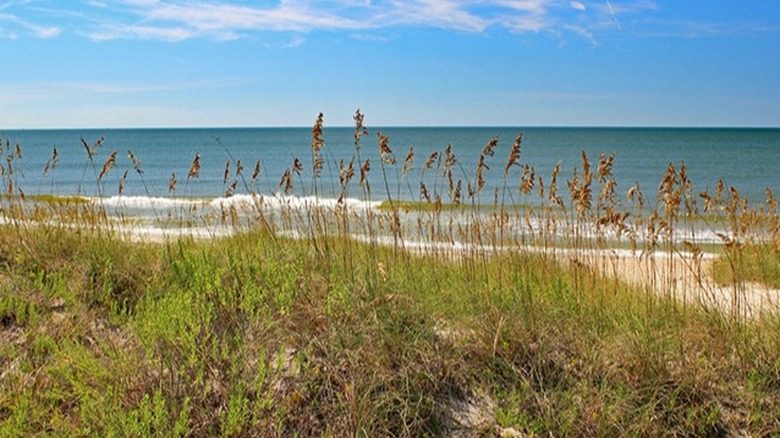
746, 159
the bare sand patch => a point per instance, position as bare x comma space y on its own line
683, 276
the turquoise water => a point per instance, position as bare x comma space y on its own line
744, 158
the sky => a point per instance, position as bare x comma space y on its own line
213, 63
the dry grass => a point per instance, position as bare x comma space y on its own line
462, 309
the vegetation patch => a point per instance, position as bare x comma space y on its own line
260, 335
750, 263
507, 319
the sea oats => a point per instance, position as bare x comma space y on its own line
360, 130
108, 165
122, 182
527, 179
553, 192
408, 161
194, 168
346, 173
364, 169
172, 183
52, 163
424, 192
317, 141
431, 159
239, 168
286, 181
255, 172
514, 154
384, 149
231, 190
604, 169
136, 162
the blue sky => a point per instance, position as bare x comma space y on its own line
145, 63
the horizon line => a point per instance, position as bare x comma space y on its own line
375, 127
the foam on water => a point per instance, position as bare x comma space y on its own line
278, 201
158, 217
146, 202
241, 202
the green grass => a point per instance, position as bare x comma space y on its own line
408, 206
260, 335
752, 263
59, 200
256, 335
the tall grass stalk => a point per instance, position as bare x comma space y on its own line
545, 317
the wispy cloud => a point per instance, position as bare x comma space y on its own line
210, 19
582, 32
697, 29
370, 37
176, 20
614, 15
295, 41
35, 30
526, 15
534, 7
122, 31
448, 14
632, 7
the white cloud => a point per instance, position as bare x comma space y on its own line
526, 24
583, 32
295, 41
213, 18
46, 32
177, 20
120, 31
37, 31
370, 37
696, 29
535, 7
614, 15
633, 7
448, 14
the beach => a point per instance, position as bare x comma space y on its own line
402, 294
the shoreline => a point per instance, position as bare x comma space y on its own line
682, 275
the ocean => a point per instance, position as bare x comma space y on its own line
746, 159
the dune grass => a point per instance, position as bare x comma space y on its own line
464, 320
756, 263
257, 335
